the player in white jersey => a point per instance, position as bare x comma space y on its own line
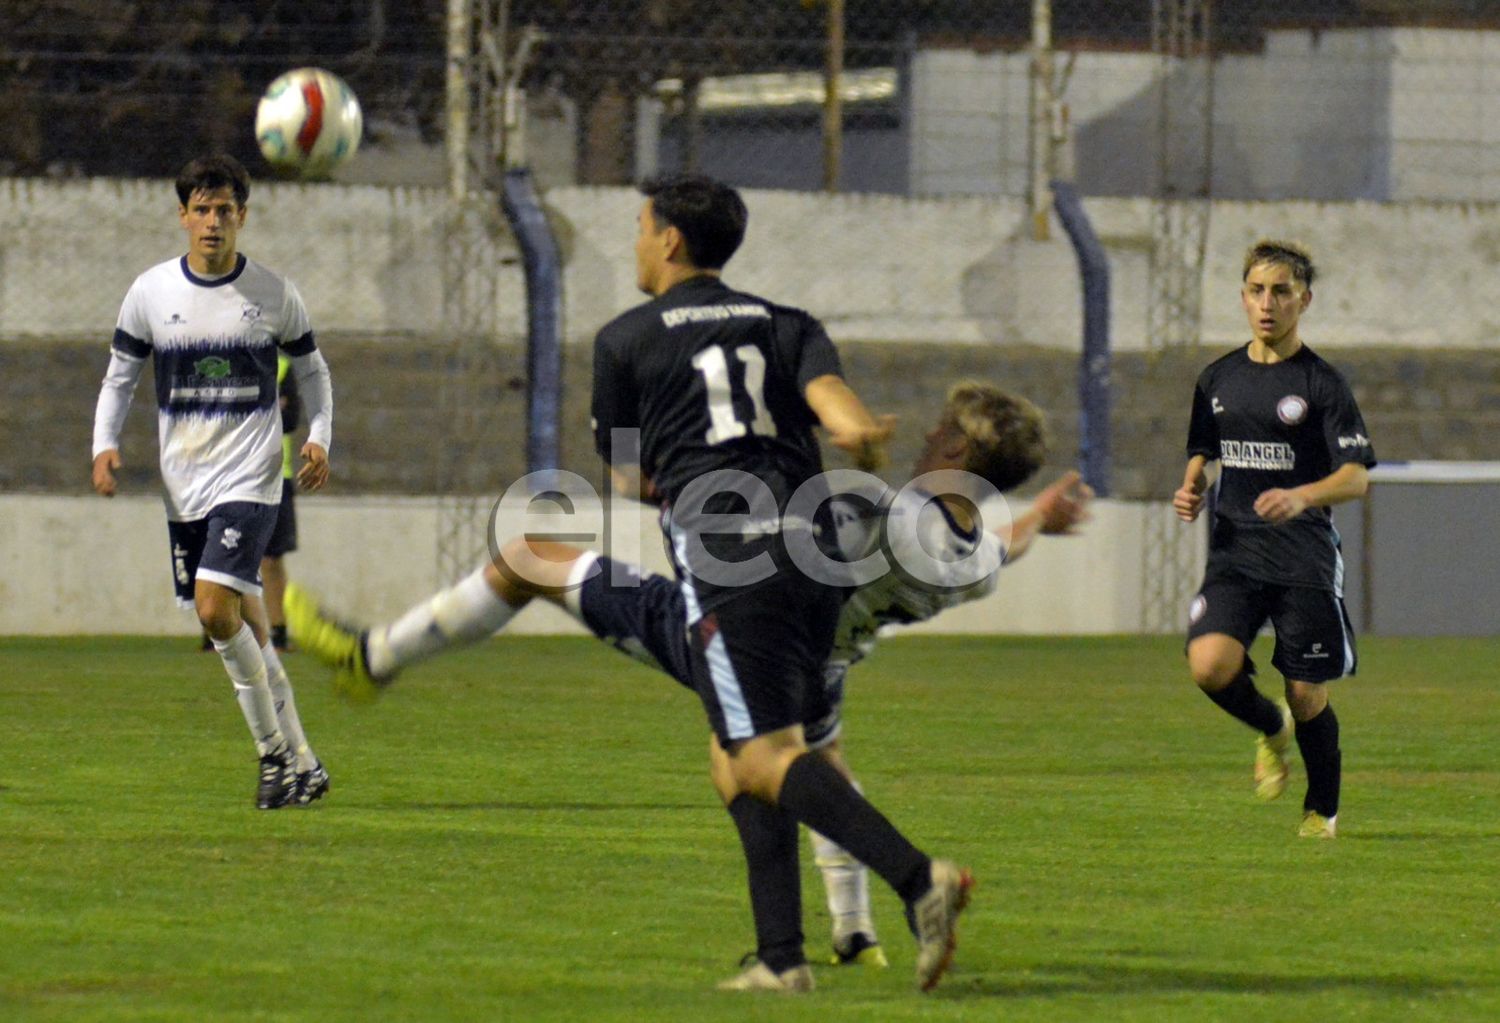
212, 322
934, 556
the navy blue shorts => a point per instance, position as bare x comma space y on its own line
1314, 639
224, 547
284, 536
757, 664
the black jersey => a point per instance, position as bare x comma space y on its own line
1276, 425
713, 378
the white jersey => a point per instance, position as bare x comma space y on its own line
213, 343
934, 564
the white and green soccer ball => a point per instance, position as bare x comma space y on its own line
308, 122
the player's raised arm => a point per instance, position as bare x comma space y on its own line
1059, 509
850, 425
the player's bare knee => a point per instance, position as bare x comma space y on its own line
1306, 700
1212, 673
219, 618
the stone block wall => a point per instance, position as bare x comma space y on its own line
406, 424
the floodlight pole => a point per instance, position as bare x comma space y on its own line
833, 98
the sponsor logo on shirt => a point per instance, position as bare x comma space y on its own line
1257, 454
1292, 409
1358, 440
249, 312
713, 313
1197, 608
175, 321
214, 367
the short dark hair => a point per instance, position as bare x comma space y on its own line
710, 214
210, 173
1288, 254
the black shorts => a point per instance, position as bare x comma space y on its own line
1314, 639
284, 536
224, 547
756, 661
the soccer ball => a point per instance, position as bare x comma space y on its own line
308, 122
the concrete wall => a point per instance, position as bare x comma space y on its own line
82, 565
390, 262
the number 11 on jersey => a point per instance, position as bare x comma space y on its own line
714, 366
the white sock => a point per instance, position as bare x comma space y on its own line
464, 613
286, 709
847, 882
247, 670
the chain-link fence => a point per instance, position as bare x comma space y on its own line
1323, 99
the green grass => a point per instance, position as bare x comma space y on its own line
525, 831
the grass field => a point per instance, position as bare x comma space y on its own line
525, 831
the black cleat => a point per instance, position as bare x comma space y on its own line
311, 786
278, 779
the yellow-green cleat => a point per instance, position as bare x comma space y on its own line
1315, 825
858, 949
336, 645
1270, 759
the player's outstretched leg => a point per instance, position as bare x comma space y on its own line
337, 645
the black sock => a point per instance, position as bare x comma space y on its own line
1246, 703
769, 837
1318, 739
278, 637
818, 796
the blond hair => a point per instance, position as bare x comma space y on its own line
1007, 434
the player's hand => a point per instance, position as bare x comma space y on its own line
1277, 506
1188, 501
1064, 504
105, 464
866, 445
314, 471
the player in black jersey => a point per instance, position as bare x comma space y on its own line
724, 389
1290, 442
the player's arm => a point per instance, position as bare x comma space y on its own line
615, 418
849, 424
1202, 448
115, 394
1348, 482
1187, 502
315, 390
1058, 510
1349, 451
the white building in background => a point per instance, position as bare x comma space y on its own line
1384, 114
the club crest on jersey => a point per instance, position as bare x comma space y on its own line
1292, 409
